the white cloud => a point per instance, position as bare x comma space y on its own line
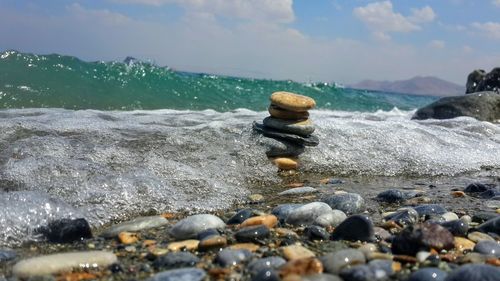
437, 44
467, 49
426, 14
496, 3
280, 11
489, 29
381, 18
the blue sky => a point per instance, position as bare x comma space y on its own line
305, 40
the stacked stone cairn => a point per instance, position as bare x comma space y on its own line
290, 125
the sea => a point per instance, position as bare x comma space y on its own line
112, 140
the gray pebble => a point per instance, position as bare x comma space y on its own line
192, 225
229, 257
428, 274
488, 248
268, 263
175, 260
332, 218
475, 272
334, 262
181, 274
299, 190
349, 203
306, 214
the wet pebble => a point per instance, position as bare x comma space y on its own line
404, 216
175, 260
188, 274
294, 252
136, 224
490, 193
479, 236
192, 225
306, 214
7, 255
428, 274
252, 233
212, 242
354, 228
488, 248
430, 209
300, 267
483, 216
50, 264
229, 257
314, 232
456, 227
66, 230
331, 218
266, 275
492, 225
299, 190
374, 270
475, 272
335, 261
269, 263
422, 237
240, 216
396, 195
349, 203
267, 220
477, 187
282, 211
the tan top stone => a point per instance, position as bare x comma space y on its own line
292, 102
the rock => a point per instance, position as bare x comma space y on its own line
314, 232
484, 106
448, 216
306, 214
175, 260
404, 216
269, 263
127, 237
241, 216
284, 163
331, 218
477, 187
423, 236
334, 262
484, 216
479, 81
66, 230
464, 244
134, 225
456, 227
7, 255
479, 236
374, 270
266, 275
246, 246
51, 264
229, 257
492, 225
255, 198
488, 248
189, 245
305, 266
298, 190
181, 274
252, 233
292, 102
301, 128
282, 211
281, 148
310, 140
354, 228
212, 242
490, 193
349, 203
429, 210
381, 234
294, 252
428, 274
207, 233
474, 272
267, 220
280, 113
191, 226
396, 195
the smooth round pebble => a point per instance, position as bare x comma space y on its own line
240, 216
282, 211
335, 261
229, 257
349, 203
175, 260
456, 227
404, 216
396, 195
428, 274
268, 263
252, 233
332, 218
192, 225
354, 228
492, 225
429, 209
181, 274
314, 232
298, 190
474, 272
292, 102
306, 214
488, 248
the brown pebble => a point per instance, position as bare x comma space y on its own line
128, 237
285, 163
219, 273
389, 225
247, 246
396, 266
267, 220
285, 232
457, 194
418, 201
189, 245
493, 261
295, 185
303, 266
213, 242
292, 102
77, 276
476, 236
405, 258
148, 243
294, 252
464, 244
281, 113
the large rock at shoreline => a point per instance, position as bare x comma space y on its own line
483, 106
479, 81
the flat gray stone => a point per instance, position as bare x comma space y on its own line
136, 224
288, 126
299, 190
311, 140
306, 214
181, 274
192, 225
332, 218
334, 262
50, 264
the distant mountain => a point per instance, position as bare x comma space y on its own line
427, 85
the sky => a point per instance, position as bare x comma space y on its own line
303, 40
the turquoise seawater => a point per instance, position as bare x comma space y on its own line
56, 81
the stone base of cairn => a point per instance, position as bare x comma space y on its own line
289, 124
